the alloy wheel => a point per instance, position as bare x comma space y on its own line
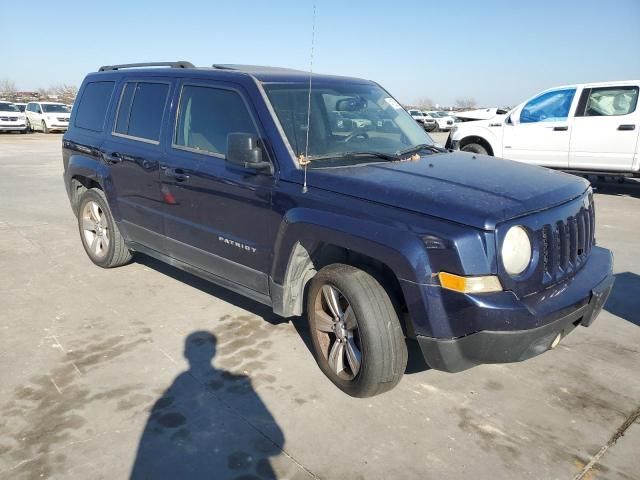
95, 229
336, 329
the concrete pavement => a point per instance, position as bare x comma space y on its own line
149, 371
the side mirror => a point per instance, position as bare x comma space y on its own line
243, 150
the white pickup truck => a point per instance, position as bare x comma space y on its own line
588, 127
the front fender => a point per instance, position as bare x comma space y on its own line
402, 252
492, 135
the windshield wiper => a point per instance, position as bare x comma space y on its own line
418, 148
347, 155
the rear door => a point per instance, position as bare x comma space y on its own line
605, 129
540, 132
218, 216
133, 152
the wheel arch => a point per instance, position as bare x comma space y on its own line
81, 174
480, 141
303, 247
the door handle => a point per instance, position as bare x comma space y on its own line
626, 127
113, 157
177, 174
560, 129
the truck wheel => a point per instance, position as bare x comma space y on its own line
355, 331
45, 129
100, 236
475, 148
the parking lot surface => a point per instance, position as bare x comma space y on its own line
149, 372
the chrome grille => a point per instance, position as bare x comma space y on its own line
566, 244
63, 119
9, 119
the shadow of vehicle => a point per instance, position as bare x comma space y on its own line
624, 300
210, 288
628, 187
192, 433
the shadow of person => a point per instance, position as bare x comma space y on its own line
194, 432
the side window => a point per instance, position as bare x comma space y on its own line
140, 110
92, 107
610, 101
548, 107
206, 116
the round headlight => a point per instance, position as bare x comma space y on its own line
516, 250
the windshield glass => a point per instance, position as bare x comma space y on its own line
8, 107
54, 108
346, 118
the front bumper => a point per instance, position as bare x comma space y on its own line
546, 315
13, 126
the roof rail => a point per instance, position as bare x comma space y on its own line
179, 64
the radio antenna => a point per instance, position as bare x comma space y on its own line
305, 161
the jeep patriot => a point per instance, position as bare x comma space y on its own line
345, 212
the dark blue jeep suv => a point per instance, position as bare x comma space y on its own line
321, 195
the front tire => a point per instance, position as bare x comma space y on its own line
45, 129
356, 335
29, 129
99, 233
475, 148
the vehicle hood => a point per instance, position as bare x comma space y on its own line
475, 190
496, 119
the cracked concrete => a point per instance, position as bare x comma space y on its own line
146, 371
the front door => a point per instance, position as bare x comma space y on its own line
605, 129
540, 132
218, 216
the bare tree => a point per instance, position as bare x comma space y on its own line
425, 103
466, 103
43, 93
8, 89
64, 93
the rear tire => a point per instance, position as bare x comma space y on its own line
100, 236
475, 148
356, 335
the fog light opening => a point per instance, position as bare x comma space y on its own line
556, 341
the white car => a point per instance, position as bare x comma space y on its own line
428, 123
47, 116
588, 127
11, 118
444, 121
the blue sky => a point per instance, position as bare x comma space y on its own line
498, 52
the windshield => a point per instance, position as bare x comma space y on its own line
8, 107
54, 108
345, 118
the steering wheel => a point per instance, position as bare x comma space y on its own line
361, 135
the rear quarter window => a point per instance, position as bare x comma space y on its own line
92, 107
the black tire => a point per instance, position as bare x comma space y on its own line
45, 129
29, 129
475, 148
378, 333
116, 252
